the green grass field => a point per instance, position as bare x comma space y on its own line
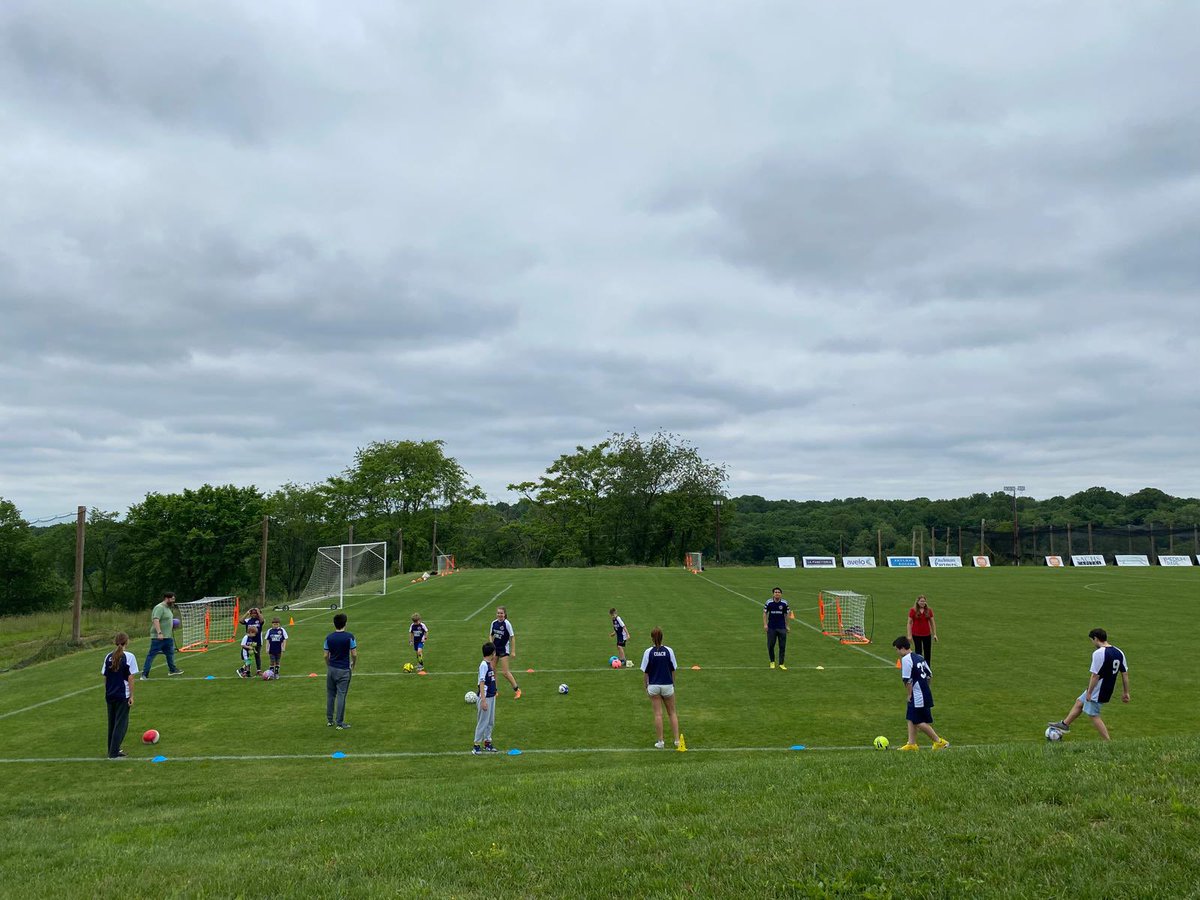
250, 801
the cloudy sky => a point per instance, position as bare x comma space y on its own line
847, 249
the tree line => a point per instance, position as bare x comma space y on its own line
627, 500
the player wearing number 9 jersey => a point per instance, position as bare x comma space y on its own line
1107, 663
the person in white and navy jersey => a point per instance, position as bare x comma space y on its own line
658, 667
504, 639
916, 674
485, 719
775, 624
621, 633
1107, 663
277, 638
250, 651
254, 619
118, 670
416, 639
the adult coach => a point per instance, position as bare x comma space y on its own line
775, 624
658, 676
922, 629
341, 656
1107, 663
504, 639
162, 638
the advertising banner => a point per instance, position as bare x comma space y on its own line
982, 562
820, 562
1174, 560
1132, 560
787, 562
858, 562
1088, 559
1054, 562
904, 562
945, 562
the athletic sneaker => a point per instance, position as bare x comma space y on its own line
772, 664
910, 747
1058, 726
782, 667
176, 672
941, 744
476, 751
488, 748
659, 745
241, 674
343, 726
329, 724
120, 754
143, 678
517, 694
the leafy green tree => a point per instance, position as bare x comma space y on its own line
24, 584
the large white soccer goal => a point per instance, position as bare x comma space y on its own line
445, 564
342, 571
694, 562
847, 616
210, 620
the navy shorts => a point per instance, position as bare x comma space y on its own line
500, 654
920, 715
620, 642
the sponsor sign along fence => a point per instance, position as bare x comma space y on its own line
1132, 560
787, 562
820, 562
904, 562
945, 562
982, 562
858, 562
1174, 560
1054, 562
1087, 559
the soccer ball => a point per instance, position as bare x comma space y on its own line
471, 697
612, 659
175, 623
881, 743
616, 664
150, 737
268, 674
1053, 734
562, 688
408, 667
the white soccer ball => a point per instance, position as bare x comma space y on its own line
471, 697
562, 688
1053, 734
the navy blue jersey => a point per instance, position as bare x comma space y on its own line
915, 671
1108, 663
275, 638
777, 612
418, 632
501, 632
487, 675
619, 628
254, 620
659, 665
339, 644
116, 684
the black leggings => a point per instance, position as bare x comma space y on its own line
773, 636
118, 724
923, 644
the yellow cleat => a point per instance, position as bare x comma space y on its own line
772, 664
782, 667
910, 747
940, 744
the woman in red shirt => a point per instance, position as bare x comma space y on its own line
921, 627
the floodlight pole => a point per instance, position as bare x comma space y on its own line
1015, 489
717, 504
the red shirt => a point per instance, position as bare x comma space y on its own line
921, 622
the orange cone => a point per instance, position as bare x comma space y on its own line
898, 666
791, 614
291, 621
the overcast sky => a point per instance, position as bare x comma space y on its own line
847, 249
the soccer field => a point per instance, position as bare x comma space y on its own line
253, 760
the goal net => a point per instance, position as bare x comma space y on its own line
342, 571
446, 564
210, 620
693, 561
847, 616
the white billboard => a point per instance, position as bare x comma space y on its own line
820, 562
1133, 559
1174, 560
787, 562
945, 562
982, 562
1087, 559
1054, 562
858, 562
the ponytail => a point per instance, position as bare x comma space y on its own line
118, 655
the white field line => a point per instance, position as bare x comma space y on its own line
54, 700
428, 754
887, 662
486, 605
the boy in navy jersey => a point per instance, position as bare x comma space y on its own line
416, 639
775, 624
917, 675
1107, 663
486, 718
277, 638
504, 640
621, 633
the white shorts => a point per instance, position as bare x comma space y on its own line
660, 690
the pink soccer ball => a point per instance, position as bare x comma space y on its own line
616, 664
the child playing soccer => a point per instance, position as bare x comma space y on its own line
277, 638
416, 639
621, 633
1107, 663
486, 718
916, 674
250, 649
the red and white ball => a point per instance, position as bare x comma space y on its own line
150, 737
